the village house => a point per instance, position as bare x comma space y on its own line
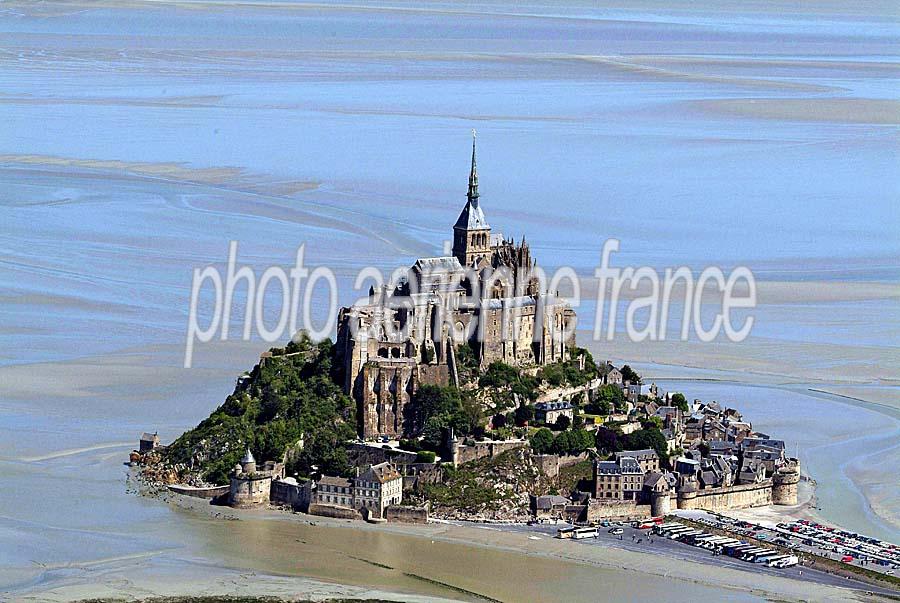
622, 479
377, 488
646, 458
334, 491
549, 506
611, 375
549, 412
149, 441
370, 492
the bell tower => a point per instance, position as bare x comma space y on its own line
471, 233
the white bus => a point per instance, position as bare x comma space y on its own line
756, 556
771, 561
665, 527
749, 554
790, 561
581, 533
672, 534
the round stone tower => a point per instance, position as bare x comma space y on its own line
248, 463
660, 503
687, 494
784, 483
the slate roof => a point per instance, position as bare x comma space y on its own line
630, 465
439, 264
552, 406
638, 454
471, 217
328, 480
545, 503
381, 473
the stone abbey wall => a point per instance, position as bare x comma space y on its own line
295, 495
364, 454
466, 453
335, 512
598, 510
407, 514
205, 493
734, 497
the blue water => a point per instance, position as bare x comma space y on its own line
592, 123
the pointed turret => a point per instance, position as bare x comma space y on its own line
471, 233
472, 195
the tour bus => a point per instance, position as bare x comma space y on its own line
765, 557
674, 532
666, 528
738, 549
752, 556
715, 542
755, 557
700, 539
565, 532
788, 561
750, 553
581, 533
689, 536
776, 560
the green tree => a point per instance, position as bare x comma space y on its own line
609, 398
562, 443
562, 422
653, 422
607, 441
499, 421
524, 414
425, 456
647, 438
628, 374
542, 441
678, 401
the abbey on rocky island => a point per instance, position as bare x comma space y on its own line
485, 296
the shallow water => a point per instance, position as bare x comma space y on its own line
137, 140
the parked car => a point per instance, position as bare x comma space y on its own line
616, 531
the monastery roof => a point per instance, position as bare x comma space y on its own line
438, 264
471, 217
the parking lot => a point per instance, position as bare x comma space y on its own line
805, 536
641, 540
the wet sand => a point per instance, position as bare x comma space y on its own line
439, 559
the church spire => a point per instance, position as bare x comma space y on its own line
473, 177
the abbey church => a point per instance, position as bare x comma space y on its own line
485, 296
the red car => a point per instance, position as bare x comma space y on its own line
847, 559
